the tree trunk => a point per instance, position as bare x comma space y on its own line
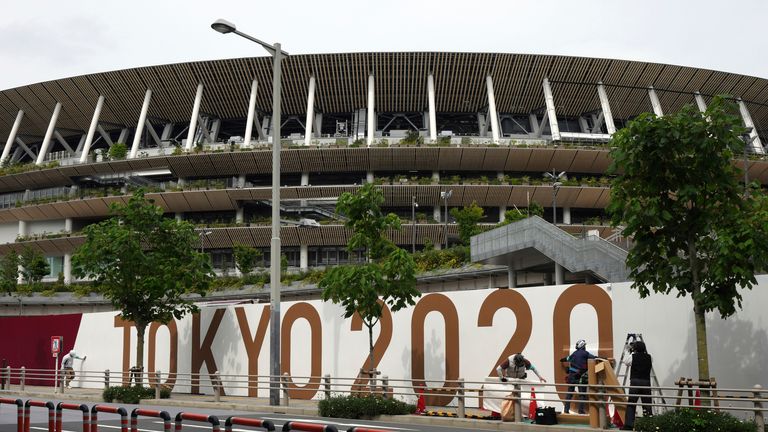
370, 358
699, 318
140, 331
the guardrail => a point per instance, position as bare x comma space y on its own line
454, 394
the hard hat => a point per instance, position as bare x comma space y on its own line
581, 343
73, 353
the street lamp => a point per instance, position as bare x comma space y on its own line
556, 183
414, 205
202, 241
224, 26
445, 195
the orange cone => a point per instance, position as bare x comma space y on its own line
421, 406
696, 400
616, 419
532, 406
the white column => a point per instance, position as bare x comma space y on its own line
369, 177
757, 146
68, 225
310, 112
655, 103
251, 114
371, 114
67, 268
700, 101
239, 215
179, 216
511, 278
92, 130
305, 179
432, 114
502, 213
241, 181
436, 213
559, 274
48, 135
435, 176
492, 109
303, 257
140, 124
22, 228
567, 215
551, 112
193, 119
11, 137
606, 107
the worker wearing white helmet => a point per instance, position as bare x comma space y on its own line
67, 363
515, 367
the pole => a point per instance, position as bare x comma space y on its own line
554, 204
746, 169
445, 222
413, 227
274, 279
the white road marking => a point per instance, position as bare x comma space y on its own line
118, 427
339, 424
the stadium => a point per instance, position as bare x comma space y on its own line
197, 137
435, 131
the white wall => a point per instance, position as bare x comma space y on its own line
48, 226
8, 232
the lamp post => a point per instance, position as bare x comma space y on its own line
556, 183
223, 26
445, 195
202, 241
414, 204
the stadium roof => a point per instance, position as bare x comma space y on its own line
400, 86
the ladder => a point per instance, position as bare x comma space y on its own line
624, 375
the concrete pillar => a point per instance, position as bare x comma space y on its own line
757, 145
179, 216
140, 125
549, 99
310, 112
432, 114
11, 137
67, 268
567, 215
700, 101
606, 107
492, 109
303, 257
22, 228
251, 114
559, 274
655, 103
305, 179
241, 181
371, 114
502, 213
436, 213
239, 214
369, 177
193, 119
511, 278
534, 120
436, 177
48, 134
92, 129
68, 225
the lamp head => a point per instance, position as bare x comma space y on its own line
223, 26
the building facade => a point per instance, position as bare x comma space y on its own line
434, 130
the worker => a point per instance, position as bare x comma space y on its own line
577, 374
640, 364
516, 366
67, 364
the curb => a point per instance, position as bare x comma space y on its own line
234, 406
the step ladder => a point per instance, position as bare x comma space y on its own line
623, 375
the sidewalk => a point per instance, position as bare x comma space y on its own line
295, 407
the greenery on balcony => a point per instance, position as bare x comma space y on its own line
26, 167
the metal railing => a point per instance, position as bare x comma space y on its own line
457, 395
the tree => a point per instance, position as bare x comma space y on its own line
245, 257
34, 266
144, 263
677, 193
467, 219
9, 272
388, 273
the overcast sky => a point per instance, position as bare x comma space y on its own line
42, 40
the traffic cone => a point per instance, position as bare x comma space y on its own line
532, 406
421, 406
615, 418
696, 400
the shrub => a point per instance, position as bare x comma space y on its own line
133, 394
690, 420
355, 407
433, 259
118, 151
